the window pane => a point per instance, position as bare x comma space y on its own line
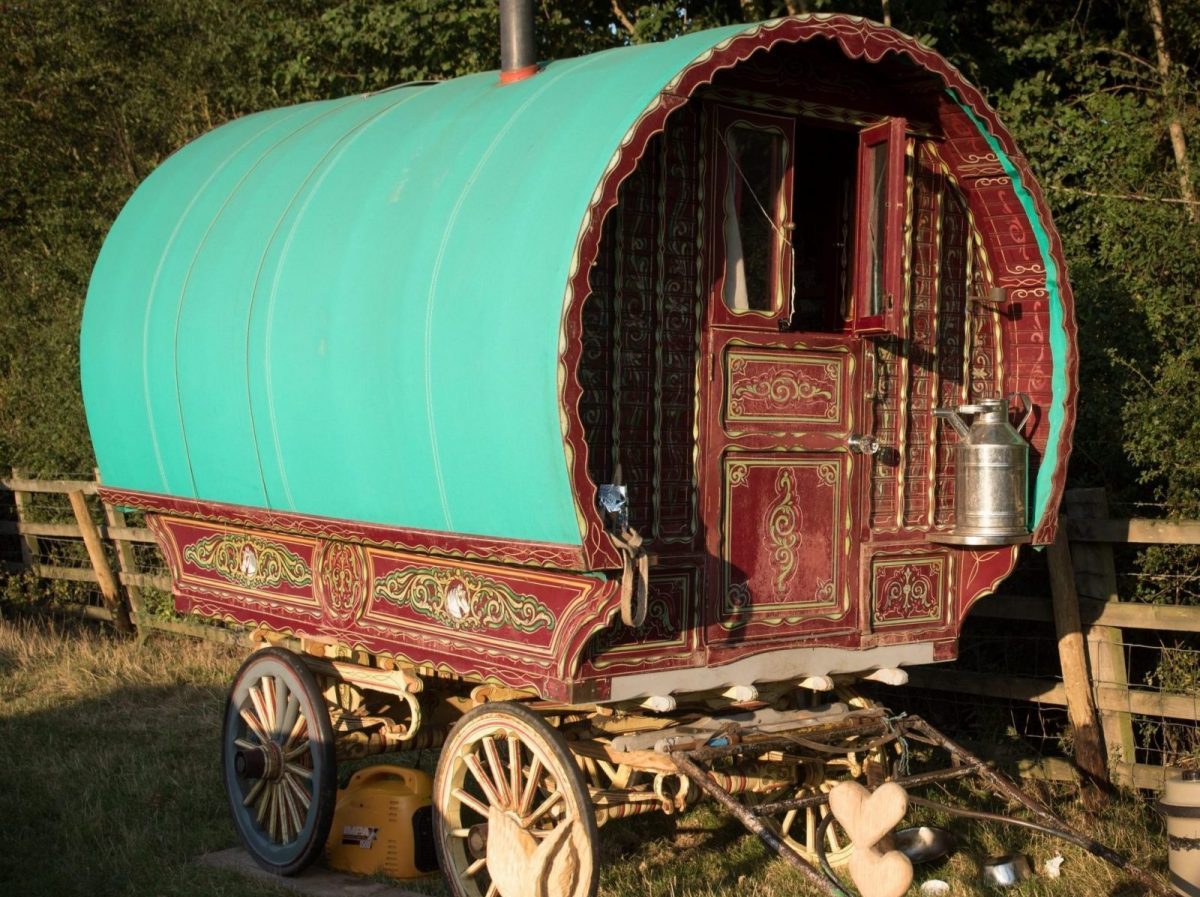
876, 227
752, 216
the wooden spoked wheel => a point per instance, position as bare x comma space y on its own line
278, 761
799, 828
511, 814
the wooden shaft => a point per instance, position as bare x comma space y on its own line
776, 844
1072, 654
95, 549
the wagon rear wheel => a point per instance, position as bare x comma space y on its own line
512, 817
800, 828
278, 761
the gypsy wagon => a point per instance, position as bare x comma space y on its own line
566, 416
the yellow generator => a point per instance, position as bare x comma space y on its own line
384, 823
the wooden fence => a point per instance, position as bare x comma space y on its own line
1090, 619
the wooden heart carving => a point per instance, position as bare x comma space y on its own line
878, 874
520, 866
866, 817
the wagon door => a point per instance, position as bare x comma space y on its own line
782, 393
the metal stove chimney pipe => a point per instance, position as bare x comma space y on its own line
518, 54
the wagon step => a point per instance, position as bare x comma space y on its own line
693, 762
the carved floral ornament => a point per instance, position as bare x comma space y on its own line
248, 561
463, 600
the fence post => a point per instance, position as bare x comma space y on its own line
30, 550
1081, 704
126, 557
1096, 577
95, 549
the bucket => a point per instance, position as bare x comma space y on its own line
383, 822
1180, 805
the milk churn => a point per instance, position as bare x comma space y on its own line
991, 474
1181, 805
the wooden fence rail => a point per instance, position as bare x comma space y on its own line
1090, 619
120, 588
1085, 561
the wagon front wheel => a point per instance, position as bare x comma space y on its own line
512, 816
278, 761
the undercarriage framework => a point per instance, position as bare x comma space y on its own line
523, 784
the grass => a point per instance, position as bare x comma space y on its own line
110, 786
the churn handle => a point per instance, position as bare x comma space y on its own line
1025, 400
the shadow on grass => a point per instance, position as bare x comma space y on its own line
115, 795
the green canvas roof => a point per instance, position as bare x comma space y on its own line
353, 308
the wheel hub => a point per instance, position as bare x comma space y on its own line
264, 762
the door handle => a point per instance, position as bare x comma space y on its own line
863, 444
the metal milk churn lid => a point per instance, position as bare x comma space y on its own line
991, 480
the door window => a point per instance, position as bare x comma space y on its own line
881, 213
755, 185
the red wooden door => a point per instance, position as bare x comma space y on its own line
780, 493
780, 500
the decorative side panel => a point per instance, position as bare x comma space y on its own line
951, 370
909, 589
640, 340
678, 297
783, 533
922, 344
524, 627
781, 389
668, 633
634, 340
271, 572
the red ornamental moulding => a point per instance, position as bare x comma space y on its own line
346, 606
859, 39
482, 548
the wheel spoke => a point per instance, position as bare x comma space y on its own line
290, 714
514, 769
498, 777
264, 805
810, 829
531, 782
270, 693
260, 709
253, 725
298, 751
476, 866
546, 806
298, 791
292, 819
283, 700
463, 798
254, 792
481, 777
492, 890
298, 770
245, 744
298, 730
460, 833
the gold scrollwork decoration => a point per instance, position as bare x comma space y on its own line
783, 529
827, 473
463, 600
779, 388
248, 561
738, 472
